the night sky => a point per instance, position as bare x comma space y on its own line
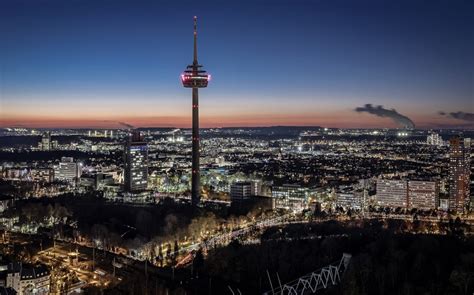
81, 63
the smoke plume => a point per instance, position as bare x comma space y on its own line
126, 125
469, 117
380, 111
123, 124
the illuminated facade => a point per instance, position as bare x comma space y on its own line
27, 279
195, 77
459, 173
136, 164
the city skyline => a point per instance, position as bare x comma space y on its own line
332, 151
97, 65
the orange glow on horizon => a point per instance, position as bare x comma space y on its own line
332, 119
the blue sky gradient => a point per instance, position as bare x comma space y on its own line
272, 62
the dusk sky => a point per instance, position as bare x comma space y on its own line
93, 63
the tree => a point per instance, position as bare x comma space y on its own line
198, 261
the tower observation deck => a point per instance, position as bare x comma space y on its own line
195, 77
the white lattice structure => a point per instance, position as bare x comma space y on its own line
320, 279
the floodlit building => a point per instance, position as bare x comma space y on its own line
423, 194
28, 279
459, 173
136, 163
392, 193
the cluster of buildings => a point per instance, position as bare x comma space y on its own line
409, 194
160, 166
66, 170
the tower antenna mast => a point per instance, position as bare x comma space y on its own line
195, 61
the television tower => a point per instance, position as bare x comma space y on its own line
195, 77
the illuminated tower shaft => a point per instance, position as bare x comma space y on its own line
196, 175
193, 77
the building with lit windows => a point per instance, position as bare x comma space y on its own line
45, 143
434, 139
136, 163
392, 193
243, 190
459, 173
351, 200
290, 196
423, 194
68, 170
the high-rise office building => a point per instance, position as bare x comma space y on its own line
392, 193
459, 173
136, 163
423, 194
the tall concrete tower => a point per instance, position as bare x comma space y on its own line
195, 77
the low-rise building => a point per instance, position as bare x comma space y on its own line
28, 279
244, 189
290, 196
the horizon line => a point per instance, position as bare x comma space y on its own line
241, 127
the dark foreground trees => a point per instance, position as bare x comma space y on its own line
383, 263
